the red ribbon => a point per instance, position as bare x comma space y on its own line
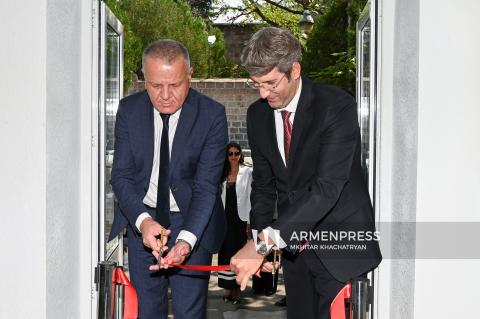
201, 267
337, 307
130, 310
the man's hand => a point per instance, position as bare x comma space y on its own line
267, 266
245, 263
176, 255
151, 230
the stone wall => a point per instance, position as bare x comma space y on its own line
236, 35
233, 94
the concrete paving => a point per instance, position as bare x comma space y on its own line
251, 306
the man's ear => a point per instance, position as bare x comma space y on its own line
296, 70
190, 73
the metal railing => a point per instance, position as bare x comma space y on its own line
360, 300
110, 294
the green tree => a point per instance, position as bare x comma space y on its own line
200, 8
277, 13
132, 44
220, 66
329, 51
330, 48
150, 20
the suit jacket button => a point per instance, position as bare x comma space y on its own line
291, 196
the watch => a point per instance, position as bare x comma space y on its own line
186, 242
262, 248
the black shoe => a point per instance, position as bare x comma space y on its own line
257, 291
270, 292
282, 302
235, 301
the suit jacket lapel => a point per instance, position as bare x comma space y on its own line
184, 126
272, 134
148, 131
302, 119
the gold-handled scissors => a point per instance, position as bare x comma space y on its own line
160, 253
276, 258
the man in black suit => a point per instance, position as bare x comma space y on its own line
305, 144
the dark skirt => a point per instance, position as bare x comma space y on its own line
235, 238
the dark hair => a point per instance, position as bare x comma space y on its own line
269, 48
226, 167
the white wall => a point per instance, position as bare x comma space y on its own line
45, 138
63, 158
449, 111
449, 153
397, 157
385, 53
429, 154
23, 159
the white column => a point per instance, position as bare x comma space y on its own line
45, 162
449, 155
23, 158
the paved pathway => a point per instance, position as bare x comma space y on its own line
251, 306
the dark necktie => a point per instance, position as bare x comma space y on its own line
287, 134
163, 188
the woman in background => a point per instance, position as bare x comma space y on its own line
236, 187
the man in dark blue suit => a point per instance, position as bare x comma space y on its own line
169, 152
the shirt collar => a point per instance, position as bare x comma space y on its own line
292, 106
175, 115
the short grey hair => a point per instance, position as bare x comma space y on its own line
269, 48
166, 50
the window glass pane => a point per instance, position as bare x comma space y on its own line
365, 97
112, 97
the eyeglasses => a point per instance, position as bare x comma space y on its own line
231, 154
269, 86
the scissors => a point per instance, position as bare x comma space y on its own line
276, 258
160, 253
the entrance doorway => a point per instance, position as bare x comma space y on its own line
107, 91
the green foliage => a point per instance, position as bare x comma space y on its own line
341, 73
330, 48
233, 70
276, 16
150, 20
200, 8
165, 19
132, 44
277, 13
219, 65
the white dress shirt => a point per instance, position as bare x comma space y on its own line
150, 198
292, 108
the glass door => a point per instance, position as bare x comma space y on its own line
110, 92
366, 92
367, 109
